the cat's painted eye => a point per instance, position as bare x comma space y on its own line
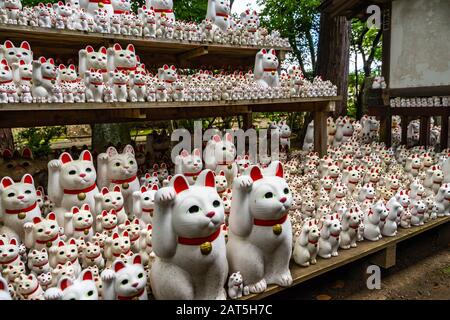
286, 190
194, 209
80, 218
61, 252
52, 227
268, 195
10, 195
117, 164
140, 275
11, 250
224, 148
90, 293
88, 170
124, 282
89, 215
40, 230
216, 203
119, 198
147, 198
107, 200
116, 244
72, 172
131, 162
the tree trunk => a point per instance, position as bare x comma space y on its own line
105, 135
6, 139
333, 55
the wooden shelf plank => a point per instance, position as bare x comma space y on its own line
364, 249
66, 43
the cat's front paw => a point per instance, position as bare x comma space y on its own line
108, 275
53, 294
68, 215
54, 165
103, 157
244, 182
165, 195
98, 196
28, 227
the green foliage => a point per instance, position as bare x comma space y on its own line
190, 10
38, 138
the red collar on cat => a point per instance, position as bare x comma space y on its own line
102, 1
9, 261
193, 174
270, 69
94, 257
8, 211
88, 189
126, 68
48, 240
147, 210
199, 241
137, 295
120, 11
124, 181
313, 242
82, 229
6, 81
163, 10
118, 254
270, 223
221, 15
26, 295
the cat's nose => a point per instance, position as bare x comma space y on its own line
20, 197
210, 214
283, 200
82, 175
47, 232
135, 284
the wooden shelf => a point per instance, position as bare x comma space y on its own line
65, 44
364, 249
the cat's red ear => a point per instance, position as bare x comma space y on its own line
155, 187
75, 210
65, 157
89, 49
137, 259
117, 188
86, 155
65, 283
87, 275
6, 182
28, 179
61, 244
115, 235
130, 47
105, 190
119, 265
180, 184
279, 171
103, 50
8, 44
143, 189
104, 213
255, 173
72, 241
209, 179
86, 207
13, 241
36, 220
51, 216
117, 47
127, 223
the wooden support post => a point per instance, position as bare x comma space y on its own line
385, 127
424, 138
248, 120
444, 131
194, 53
404, 125
385, 258
320, 132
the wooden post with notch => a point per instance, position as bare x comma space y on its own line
320, 131
385, 258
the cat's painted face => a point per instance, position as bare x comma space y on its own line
168, 74
14, 271
198, 210
96, 60
223, 6
45, 278
82, 218
67, 73
95, 76
48, 67
224, 150
15, 54
151, 179
91, 249
131, 278
19, 195
121, 166
221, 181
269, 59
191, 163
77, 174
5, 71
27, 284
64, 10
242, 163
109, 219
38, 257
112, 199
45, 229
148, 197
120, 244
133, 228
64, 270
61, 253
270, 196
124, 57
25, 70
9, 251
82, 289
119, 77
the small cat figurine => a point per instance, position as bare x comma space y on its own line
119, 169
119, 83
138, 87
102, 21
125, 281
44, 77
28, 287
4, 290
108, 200
83, 288
117, 247
92, 255
94, 86
63, 253
133, 228
144, 204
107, 222
9, 253
18, 205
42, 233
146, 248
38, 261
71, 183
78, 223
190, 165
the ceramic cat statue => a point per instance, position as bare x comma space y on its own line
125, 281
191, 260
44, 77
83, 288
79, 223
65, 252
4, 291
389, 227
28, 287
9, 253
106, 222
38, 262
442, 201
14, 54
119, 169
219, 13
71, 183
92, 255
236, 287
162, 7
146, 247
266, 68
189, 165
42, 233
109, 200
144, 203
329, 237
306, 246
133, 228
117, 247
124, 60
371, 220
219, 155
90, 59
18, 205
257, 234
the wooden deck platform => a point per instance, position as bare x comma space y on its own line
65, 44
383, 249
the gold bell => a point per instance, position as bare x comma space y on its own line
81, 196
206, 248
22, 215
195, 178
277, 229
125, 186
86, 231
48, 244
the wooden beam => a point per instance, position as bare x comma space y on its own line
386, 258
320, 132
404, 125
424, 138
420, 91
190, 54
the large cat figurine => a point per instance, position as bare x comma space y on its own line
144, 204
125, 281
219, 13
124, 60
93, 5
83, 288
260, 232
266, 69
44, 78
71, 183
14, 54
162, 7
90, 59
191, 261
42, 233
190, 165
119, 169
18, 205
